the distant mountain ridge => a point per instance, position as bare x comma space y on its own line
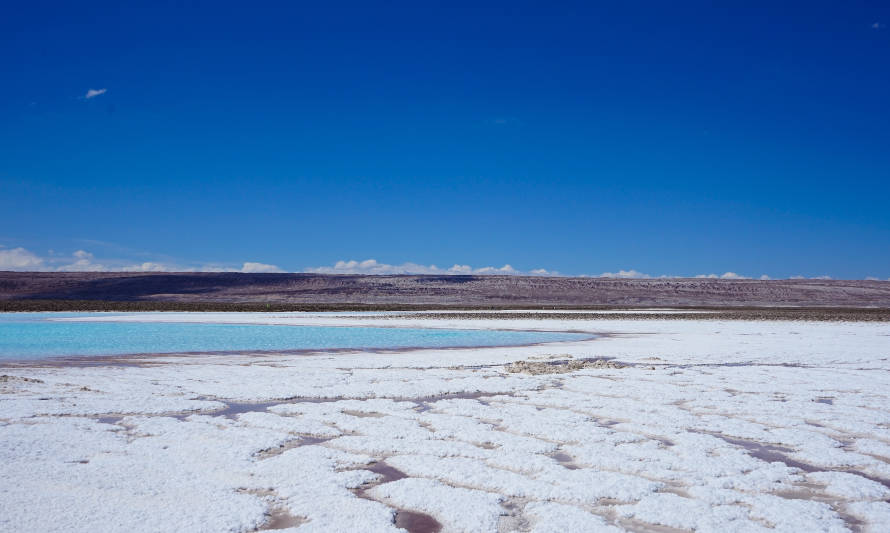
438, 289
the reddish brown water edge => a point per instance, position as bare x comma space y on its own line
411, 521
417, 522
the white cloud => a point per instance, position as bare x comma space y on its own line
148, 266
83, 262
625, 274
460, 269
372, 266
506, 269
878, 26
727, 275
19, 259
257, 268
92, 93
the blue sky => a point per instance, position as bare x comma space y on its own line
665, 138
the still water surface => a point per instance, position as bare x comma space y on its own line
42, 335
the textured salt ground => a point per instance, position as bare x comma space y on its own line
712, 426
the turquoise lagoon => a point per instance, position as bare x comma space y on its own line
29, 336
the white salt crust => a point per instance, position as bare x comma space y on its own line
714, 426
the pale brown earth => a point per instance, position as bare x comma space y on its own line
559, 366
430, 290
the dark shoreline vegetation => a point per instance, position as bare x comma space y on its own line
589, 312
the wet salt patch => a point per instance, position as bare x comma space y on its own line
875, 514
638, 526
362, 414
281, 519
233, 409
850, 486
767, 452
565, 460
288, 445
413, 522
385, 472
417, 522
457, 509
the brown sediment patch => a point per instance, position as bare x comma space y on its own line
136, 360
881, 480
814, 492
882, 458
565, 460
560, 366
233, 409
289, 445
280, 518
362, 414
771, 454
423, 402
667, 443
417, 522
765, 452
679, 490
513, 519
387, 473
638, 526
411, 521
7, 378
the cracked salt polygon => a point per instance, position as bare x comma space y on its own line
459, 510
850, 486
207, 472
549, 517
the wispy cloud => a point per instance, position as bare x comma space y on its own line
878, 26
372, 266
92, 93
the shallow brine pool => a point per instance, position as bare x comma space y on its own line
42, 335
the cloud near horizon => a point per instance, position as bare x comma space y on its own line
19, 259
727, 275
371, 266
23, 260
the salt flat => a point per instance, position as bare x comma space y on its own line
707, 426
